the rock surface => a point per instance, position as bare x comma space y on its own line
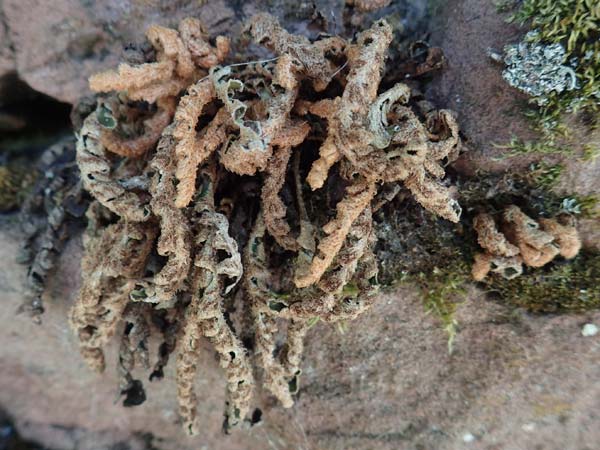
55, 49
514, 381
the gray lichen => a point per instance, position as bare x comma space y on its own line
538, 69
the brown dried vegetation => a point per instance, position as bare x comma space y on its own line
193, 165
49, 215
521, 240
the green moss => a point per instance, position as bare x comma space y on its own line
545, 175
575, 24
559, 287
504, 5
15, 181
433, 255
517, 147
591, 152
443, 290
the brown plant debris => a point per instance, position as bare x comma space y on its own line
49, 214
193, 165
133, 351
521, 240
368, 5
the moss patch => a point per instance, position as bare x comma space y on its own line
16, 180
419, 249
564, 286
574, 24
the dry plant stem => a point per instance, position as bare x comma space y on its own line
358, 197
346, 124
186, 368
274, 374
292, 134
170, 46
265, 325
96, 168
175, 237
306, 239
195, 37
326, 303
136, 147
433, 196
356, 244
274, 208
186, 147
154, 92
328, 152
131, 77
294, 347
207, 318
107, 282
350, 308
181, 58
490, 238
232, 356
366, 62
266, 31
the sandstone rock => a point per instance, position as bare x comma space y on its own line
57, 48
387, 382
7, 57
489, 109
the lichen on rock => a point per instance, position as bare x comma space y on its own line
538, 69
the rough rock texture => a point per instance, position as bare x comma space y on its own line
7, 59
489, 109
387, 382
514, 381
86, 37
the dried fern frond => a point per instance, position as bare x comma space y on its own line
358, 197
522, 240
118, 258
97, 174
174, 241
180, 57
214, 275
275, 209
161, 256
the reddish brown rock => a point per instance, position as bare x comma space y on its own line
386, 382
489, 110
7, 57
57, 48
